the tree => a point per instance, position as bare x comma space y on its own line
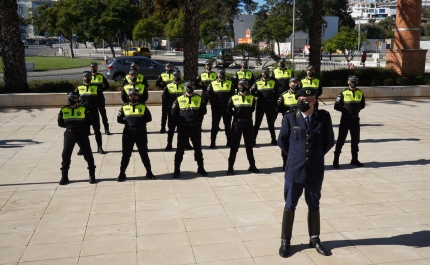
191, 40
211, 30
315, 33
147, 28
346, 40
15, 73
329, 46
247, 50
175, 28
339, 8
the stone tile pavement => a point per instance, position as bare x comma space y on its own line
378, 214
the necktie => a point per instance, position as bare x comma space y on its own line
307, 120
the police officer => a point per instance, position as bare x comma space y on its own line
219, 93
267, 93
287, 102
140, 78
162, 81
89, 96
134, 115
134, 84
76, 119
205, 79
350, 101
311, 81
189, 109
244, 73
282, 74
306, 136
103, 85
241, 107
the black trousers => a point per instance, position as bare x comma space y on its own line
101, 106
164, 114
129, 138
351, 124
172, 123
184, 134
80, 138
238, 129
268, 108
95, 122
219, 112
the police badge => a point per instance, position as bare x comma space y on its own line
78, 113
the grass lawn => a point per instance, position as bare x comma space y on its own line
44, 63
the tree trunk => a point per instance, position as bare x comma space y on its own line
111, 48
72, 53
15, 73
315, 32
191, 40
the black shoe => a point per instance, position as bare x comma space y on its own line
107, 132
80, 152
274, 142
230, 171
212, 146
168, 147
122, 177
316, 243
284, 250
253, 169
63, 181
335, 164
202, 171
100, 150
189, 147
228, 144
176, 173
149, 175
163, 130
92, 179
357, 163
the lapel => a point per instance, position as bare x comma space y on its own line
314, 120
301, 121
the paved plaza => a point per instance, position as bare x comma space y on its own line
379, 214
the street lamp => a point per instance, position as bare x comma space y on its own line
241, 28
292, 39
359, 29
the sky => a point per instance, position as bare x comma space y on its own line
260, 2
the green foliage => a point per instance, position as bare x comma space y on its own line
247, 50
403, 81
346, 40
175, 28
147, 28
212, 31
389, 82
427, 30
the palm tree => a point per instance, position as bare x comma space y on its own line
191, 39
315, 32
15, 74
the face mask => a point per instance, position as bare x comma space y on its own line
221, 76
71, 102
93, 70
282, 65
177, 79
265, 76
303, 105
243, 89
295, 87
311, 74
133, 100
87, 80
245, 66
208, 68
353, 85
133, 79
169, 70
190, 90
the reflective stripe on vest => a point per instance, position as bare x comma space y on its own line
92, 90
244, 75
289, 99
185, 102
208, 77
176, 88
139, 78
279, 73
97, 79
226, 86
266, 85
78, 114
139, 87
134, 111
240, 101
167, 77
349, 97
312, 83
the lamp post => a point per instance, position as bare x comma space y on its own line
359, 33
324, 27
292, 39
241, 28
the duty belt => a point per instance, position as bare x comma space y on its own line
190, 124
349, 115
135, 129
242, 120
76, 130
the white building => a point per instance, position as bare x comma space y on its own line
377, 10
24, 7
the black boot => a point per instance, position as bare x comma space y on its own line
287, 232
80, 152
121, 177
163, 130
252, 168
230, 168
336, 159
177, 171
107, 132
92, 171
189, 146
169, 143
213, 145
355, 162
64, 176
314, 232
201, 170
100, 150
149, 174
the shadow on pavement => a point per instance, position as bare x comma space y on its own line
375, 164
386, 140
16, 143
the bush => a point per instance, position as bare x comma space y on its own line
389, 82
403, 81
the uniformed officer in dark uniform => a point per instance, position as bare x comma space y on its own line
267, 93
306, 136
134, 115
244, 73
241, 107
190, 109
89, 96
76, 119
350, 101
140, 78
103, 85
134, 84
287, 102
205, 79
162, 81
312, 82
219, 93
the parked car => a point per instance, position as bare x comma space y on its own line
118, 67
137, 51
223, 57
